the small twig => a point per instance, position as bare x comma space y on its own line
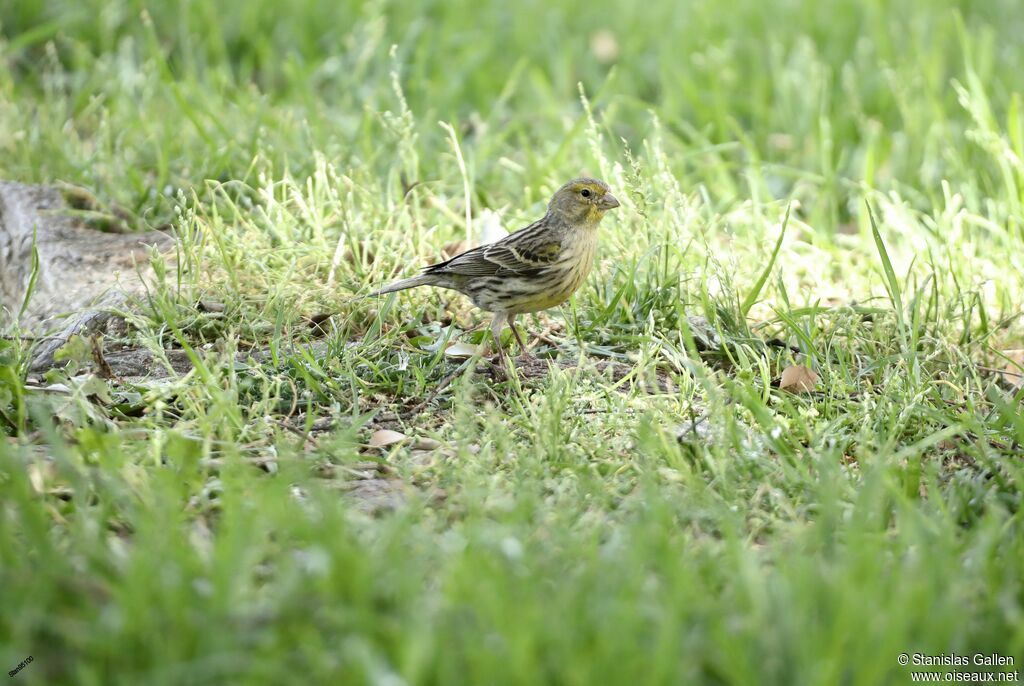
545, 337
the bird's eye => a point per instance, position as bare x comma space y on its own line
585, 192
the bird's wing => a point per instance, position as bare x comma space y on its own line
523, 252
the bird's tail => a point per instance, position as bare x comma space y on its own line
412, 282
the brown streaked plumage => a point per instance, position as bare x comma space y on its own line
533, 269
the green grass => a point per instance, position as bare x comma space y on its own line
571, 528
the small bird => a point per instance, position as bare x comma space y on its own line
533, 269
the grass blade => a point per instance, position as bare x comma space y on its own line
892, 284
755, 292
33, 276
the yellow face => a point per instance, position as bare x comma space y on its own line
583, 200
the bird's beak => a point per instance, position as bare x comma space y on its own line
609, 202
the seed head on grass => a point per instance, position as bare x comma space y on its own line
533, 269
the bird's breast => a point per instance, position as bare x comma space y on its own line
557, 283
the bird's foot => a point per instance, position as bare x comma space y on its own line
524, 350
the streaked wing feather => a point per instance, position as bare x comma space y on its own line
470, 263
521, 253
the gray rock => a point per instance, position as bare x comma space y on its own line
84, 275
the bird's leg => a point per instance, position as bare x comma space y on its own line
523, 350
496, 325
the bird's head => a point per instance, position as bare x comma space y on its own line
582, 201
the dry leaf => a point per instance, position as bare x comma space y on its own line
461, 351
798, 379
386, 437
426, 444
1013, 372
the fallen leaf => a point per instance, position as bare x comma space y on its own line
426, 444
461, 351
798, 379
386, 437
